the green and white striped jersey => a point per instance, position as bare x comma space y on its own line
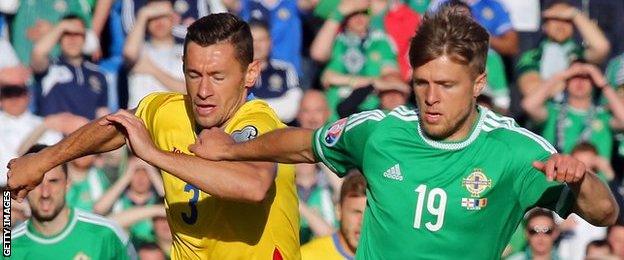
440, 200
86, 236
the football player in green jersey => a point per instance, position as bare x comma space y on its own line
56, 231
450, 180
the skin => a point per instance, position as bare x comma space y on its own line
73, 39
261, 43
616, 239
47, 203
313, 110
558, 30
350, 213
541, 244
15, 106
391, 99
160, 28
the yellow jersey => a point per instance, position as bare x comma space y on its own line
325, 248
206, 227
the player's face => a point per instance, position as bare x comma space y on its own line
541, 234
351, 212
261, 43
446, 94
215, 82
616, 240
48, 199
73, 41
313, 110
580, 87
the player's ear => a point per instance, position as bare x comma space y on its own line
252, 73
338, 211
479, 84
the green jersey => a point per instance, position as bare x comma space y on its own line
352, 55
83, 194
142, 231
567, 128
496, 80
86, 236
440, 200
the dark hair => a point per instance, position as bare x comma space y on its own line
599, 243
458, 3
354, 185
38, 148
451, 33
220, 28
557, 2
584, 147
74, 16
538, 212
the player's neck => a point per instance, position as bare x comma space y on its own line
235, 109
54, 226
466, 126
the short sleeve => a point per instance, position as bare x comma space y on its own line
534, 190
144, 110
340, 145
253, 125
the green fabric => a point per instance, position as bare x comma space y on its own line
86, 236
497, 86
422, 192
83, 194
47, 10
601, 136
531, 60
351, 56
518, 241
321, 202
142, 231
325, 7
419, 6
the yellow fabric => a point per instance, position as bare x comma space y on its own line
322, 248
222, 229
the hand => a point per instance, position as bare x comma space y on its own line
349, 6
41, 28
562, 168
71, 26
156, 9
561, 12
212, 144
137, 137
596, 75
24, 174
384, 85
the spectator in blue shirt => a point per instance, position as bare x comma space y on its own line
69, 83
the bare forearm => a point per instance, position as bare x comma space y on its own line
331, 78
134, 42
100, 15
317, 224
289, 145
321, 47
594, 201
42, 49
534, 102
89, 139
616, 105
238, 181
598, 46
131, 216
106, 202
170, 82
32, 139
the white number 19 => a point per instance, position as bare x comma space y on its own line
437, 211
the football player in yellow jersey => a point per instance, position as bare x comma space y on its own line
216, 210
343, 243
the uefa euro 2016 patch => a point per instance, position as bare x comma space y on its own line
473, 204
334, 132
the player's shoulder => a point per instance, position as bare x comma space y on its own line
156, 101
508, 132
256, 111
100, 226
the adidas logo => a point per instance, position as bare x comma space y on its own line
394, 173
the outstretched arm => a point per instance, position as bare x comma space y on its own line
289, 145
594, 201
26, 172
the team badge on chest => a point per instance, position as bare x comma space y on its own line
476, 183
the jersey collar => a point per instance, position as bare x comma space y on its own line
339, 247
34, 235
474, 133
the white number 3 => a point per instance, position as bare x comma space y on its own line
437, 211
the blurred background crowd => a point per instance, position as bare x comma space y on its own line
555, 66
